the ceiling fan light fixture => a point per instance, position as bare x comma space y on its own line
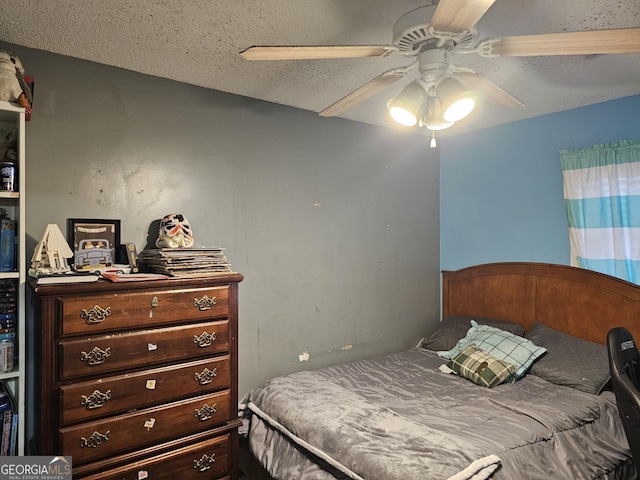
407, 106
439, 126
457, 101
402, 113
459, 109
433, 118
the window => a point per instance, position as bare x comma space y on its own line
602, 199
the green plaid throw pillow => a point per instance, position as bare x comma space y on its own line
480, 367
505, 346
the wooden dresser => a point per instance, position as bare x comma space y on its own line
140, 379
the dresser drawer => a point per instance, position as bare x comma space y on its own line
117, 311
205, 460
129, 350
131, 431
119, 393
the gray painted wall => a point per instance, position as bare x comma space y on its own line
334, 224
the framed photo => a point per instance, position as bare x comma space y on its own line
94, 242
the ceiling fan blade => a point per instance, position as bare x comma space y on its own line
623, 40
488, 89
367, 90
316, 52
458, 15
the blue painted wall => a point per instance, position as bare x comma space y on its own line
501, 195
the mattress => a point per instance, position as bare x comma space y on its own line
398, 416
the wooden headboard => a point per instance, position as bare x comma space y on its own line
580, 302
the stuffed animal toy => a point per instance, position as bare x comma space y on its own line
8, 142
13, 88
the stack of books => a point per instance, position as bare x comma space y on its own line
185, 262
65, 277
8, 310
7, 244
8, 422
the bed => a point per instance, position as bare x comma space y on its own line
405, 415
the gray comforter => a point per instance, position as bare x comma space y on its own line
398, 417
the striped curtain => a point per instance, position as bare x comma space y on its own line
602, 198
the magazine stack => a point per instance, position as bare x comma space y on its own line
185, 262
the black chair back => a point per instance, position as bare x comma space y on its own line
624, 362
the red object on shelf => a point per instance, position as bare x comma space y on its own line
29, 81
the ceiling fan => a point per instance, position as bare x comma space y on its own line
445, 93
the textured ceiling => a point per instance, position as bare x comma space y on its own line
198, 42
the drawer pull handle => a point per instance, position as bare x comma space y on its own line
94, 440
95, 356
206, 376
155, 302
96, 400
204, 463
205, 303
206, 412
205, 339
96, 315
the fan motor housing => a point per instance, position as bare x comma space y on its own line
411, 32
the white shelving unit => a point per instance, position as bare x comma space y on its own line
12, 116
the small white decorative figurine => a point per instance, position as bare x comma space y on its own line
174, 232
51, 253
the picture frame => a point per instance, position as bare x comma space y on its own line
95, 242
